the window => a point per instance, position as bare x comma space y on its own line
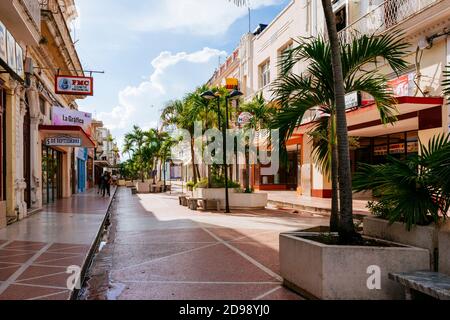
282, 53
42, 105
341, 19
264, 70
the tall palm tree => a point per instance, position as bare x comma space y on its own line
183, 114
262, 115
134, 143
314, 91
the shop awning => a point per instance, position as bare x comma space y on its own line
66, 136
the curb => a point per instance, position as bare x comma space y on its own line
92, 251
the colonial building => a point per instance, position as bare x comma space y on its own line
35, 46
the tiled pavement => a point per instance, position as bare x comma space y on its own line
36, 252
160, 250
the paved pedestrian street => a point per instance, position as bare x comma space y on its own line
35, 253
159, 250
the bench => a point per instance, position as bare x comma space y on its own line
183, 200
432, 284
193, 203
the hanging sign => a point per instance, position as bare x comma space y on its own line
353, 100
245, 118
68, 117
231, 83
63, 141
80, 86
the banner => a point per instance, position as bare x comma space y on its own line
67, 117
81, 86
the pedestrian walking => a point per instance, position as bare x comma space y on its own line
106, 184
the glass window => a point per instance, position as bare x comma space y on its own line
265, 74
397, 144
412, 140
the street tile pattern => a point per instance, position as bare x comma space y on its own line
160, 250
37, 270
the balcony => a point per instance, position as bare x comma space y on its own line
386, 16
23, 19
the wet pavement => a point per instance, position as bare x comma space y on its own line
157, 249
35, 253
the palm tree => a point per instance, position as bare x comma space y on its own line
314, 92
134, 144
183, 114
262, 115
414, 191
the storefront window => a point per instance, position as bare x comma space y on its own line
412, 139
51, 175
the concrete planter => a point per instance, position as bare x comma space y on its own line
129, 184
121, 183
444, 252
249, 200
426, 237
341, 272
143, 187
237, 200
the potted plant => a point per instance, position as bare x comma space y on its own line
413, 196
190, 185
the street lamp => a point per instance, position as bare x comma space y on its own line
235, 94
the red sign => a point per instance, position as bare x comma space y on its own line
80, 86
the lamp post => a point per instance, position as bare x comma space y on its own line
235, 94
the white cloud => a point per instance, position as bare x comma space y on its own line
195, 17
173, 76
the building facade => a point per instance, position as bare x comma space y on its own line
35, 169
422, 109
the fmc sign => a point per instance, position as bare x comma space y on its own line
80, 86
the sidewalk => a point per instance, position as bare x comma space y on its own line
290, 199
36, 252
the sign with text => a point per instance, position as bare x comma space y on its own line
63, 141
353, 100
80, 86
68, 117
232, 83
245, 118
404, 85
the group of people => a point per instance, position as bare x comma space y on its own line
104, 184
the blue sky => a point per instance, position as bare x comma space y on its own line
153, 51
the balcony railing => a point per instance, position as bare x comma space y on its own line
384, 17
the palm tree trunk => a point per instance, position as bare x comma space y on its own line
194, 169
334, 221
346, 226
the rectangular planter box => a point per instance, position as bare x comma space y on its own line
143, 187
425, 237
444, 252
129, 184
121, 183
341, 272
237, 200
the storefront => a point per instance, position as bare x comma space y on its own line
52, 175
62, 166
81, 169
375, 150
